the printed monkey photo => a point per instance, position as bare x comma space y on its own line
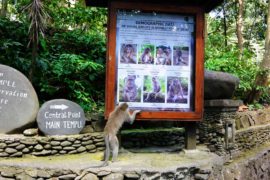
146, 54
180, 56
163, 55
130, 88
128, 54
177, 90
154, 89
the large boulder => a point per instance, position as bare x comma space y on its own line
18, 101
219, 85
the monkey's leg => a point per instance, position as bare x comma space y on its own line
156, 95
115, 148
104, 155
107, 150
147, 98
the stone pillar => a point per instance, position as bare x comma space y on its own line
217, 128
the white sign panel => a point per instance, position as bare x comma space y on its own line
155, 60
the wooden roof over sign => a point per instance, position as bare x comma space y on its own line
208, 4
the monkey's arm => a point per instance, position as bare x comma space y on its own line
132, 117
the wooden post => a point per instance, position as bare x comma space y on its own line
190, 139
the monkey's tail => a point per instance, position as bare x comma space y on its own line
106, 158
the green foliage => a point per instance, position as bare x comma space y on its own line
76, 16
222, 53
71, 57
227, 61
13, 44
255, 106
75, 67
73, 77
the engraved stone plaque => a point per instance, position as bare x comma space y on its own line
60, 117
18, 100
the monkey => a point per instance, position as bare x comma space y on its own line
175, 91
177, 56
161, 56
146, 57
155, 89
128, 56
130, 89
168, 56
155, 84
115, 121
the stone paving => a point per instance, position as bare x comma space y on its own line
129, 166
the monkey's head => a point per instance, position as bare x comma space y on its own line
128, 49
123, 106
176, 81
160, 51
167, 51
130, 81
154, 79
147, 50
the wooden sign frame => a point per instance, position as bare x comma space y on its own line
198, 73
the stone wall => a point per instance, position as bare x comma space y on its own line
19, 145
191, 172
247, 119
212, 132
252, 137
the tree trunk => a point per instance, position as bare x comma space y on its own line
262, 78
4, 8
225, 23
32, 69
205, 28
239, 27
37, 16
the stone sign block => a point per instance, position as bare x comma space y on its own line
18, 100
60, 117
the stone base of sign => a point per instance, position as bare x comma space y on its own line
19, 145
153, 137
